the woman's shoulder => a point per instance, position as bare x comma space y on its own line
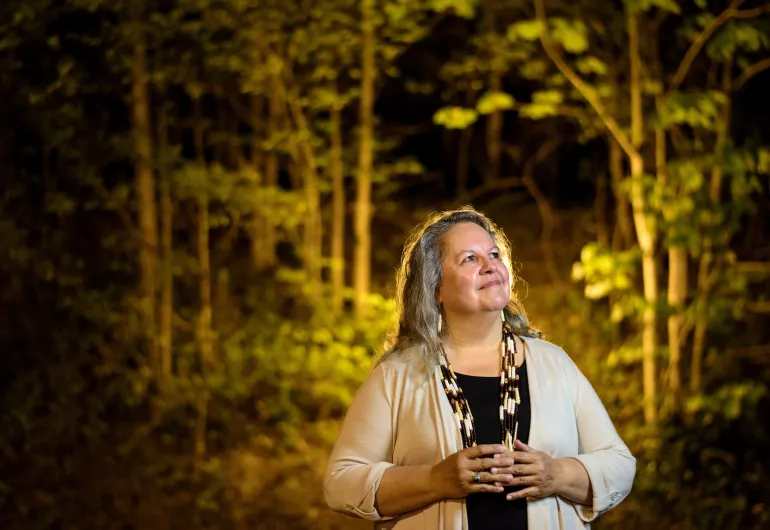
397, 361
547, 351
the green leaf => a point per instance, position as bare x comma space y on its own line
571, 34
455, 117
461, 8
548, 97
528, 30
737, 36
591, 65
494, 101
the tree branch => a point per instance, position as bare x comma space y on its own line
750, 72
585, 90
700, 41
751, 13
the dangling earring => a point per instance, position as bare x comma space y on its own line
502, 316
440, 322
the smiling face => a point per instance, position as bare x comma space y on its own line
474, 278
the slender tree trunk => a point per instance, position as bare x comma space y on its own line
313, 227
600, 208
677, 293
145, 187
464, 152
623, 237
645, 229
166, 248
205, 335
363, 207
677, 284
547, 214
494, 134
338, 212
706, 257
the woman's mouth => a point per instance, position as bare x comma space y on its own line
490, 284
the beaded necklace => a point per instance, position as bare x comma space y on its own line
509, 394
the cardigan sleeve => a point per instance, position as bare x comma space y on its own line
362, 452
611, 467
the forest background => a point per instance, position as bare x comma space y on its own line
203, 203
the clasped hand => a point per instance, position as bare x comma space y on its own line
536, 471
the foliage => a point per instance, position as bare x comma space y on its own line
249, 92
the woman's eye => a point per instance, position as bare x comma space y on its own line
469, 258
495, 255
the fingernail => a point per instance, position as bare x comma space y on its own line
500, 490
509, 497
497, 484
497, 455
509, 478
507, 462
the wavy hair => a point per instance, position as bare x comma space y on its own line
419, 276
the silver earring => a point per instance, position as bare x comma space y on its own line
502, 315
440, 322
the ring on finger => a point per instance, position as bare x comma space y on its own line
477, 478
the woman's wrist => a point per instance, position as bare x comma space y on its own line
435, 483
571, 480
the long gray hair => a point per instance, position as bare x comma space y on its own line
418, 279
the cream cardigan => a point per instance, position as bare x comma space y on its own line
400, 418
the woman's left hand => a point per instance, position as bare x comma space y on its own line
534, 470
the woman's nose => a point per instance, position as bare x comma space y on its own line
486, 266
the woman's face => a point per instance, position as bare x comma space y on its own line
474, 278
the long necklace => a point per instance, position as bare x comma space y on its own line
509, 394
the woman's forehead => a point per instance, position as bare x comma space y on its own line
468, 235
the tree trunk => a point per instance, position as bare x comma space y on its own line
645, 229
313, 226
166, 248
205, 335
547, 215
145, 188
464, 152
677, 285
623, 236
600, 208
338, 212
494, 134
363, 208
677, 293
706, 256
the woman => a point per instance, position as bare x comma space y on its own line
538, 451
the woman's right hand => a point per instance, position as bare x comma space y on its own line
454, 477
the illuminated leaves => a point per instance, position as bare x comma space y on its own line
728, 401
461, 8
528, 30
571, 34
604, 271
494, 101
697, 109
544, 103
737, 36
455, 117
591, 65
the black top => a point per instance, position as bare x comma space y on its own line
492, 510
